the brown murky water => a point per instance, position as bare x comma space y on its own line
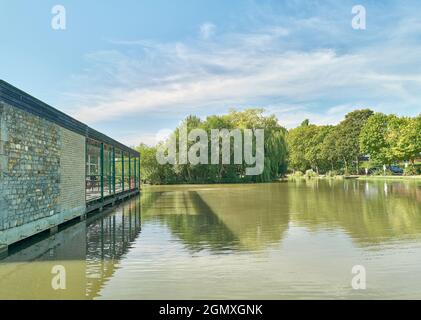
293, 240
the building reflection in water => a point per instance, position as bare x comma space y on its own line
109, 238
88, 251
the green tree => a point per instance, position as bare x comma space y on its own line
275, 157
404, 137
305, 144
373, 138
314, 150
150, 169
297, 142
348, 133
329, 150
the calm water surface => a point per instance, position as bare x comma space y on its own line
293, 240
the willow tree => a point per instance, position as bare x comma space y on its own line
275, 146
275, 151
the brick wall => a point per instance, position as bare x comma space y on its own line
42, 174
72, 172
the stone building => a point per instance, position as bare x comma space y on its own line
54, 168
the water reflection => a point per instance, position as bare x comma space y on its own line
191, 219
253, 217
282, 240
89, 252
369, 212
26, 273
229, 217
108, 239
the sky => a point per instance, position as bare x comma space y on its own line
133, 68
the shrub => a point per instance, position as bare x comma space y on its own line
332, 173
411, 171
380, 172
298, 174
310, 173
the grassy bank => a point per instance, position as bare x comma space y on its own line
360, 177
389, 177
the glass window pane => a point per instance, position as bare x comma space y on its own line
118, 171
93, 170
126, 171
108, 170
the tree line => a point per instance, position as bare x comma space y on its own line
382, 139
324, 149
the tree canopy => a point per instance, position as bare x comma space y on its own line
385, 139
275, 152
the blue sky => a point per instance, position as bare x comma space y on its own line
132, 68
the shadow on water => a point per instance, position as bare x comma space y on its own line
220, 218
191, 219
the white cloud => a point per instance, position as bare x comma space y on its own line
243, 69
149, 139
133, 139
207, 30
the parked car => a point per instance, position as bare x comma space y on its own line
396, 170
390, 169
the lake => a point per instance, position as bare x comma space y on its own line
291, 240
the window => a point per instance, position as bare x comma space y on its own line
108, 170
93, 170
126, 166
139, 178
132, 172
118, 171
